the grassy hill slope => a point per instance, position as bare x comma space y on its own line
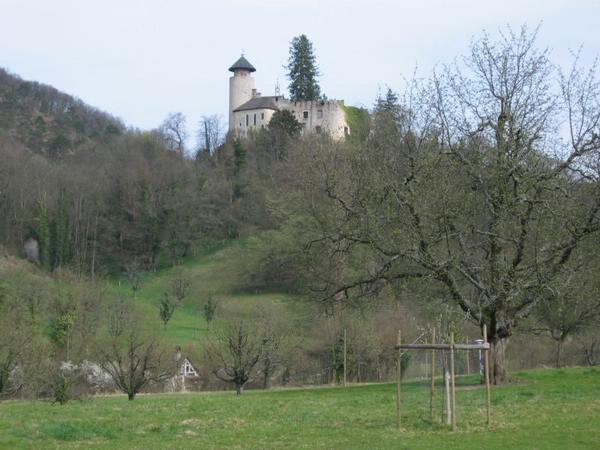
210, 274
547, 409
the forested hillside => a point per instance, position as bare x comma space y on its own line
121, 198
49, 122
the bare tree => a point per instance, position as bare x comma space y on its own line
134, 274
173, 131
131, 358
571, 305
235, 352
180, 286
276, 339
211, 133
481, 195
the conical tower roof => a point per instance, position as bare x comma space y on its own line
242, 64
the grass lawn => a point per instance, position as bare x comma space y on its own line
547, 409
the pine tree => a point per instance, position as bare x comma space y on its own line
43, 235
303, 71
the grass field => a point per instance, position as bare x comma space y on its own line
546, 409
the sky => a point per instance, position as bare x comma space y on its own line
143, 59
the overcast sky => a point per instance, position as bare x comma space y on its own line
141, 59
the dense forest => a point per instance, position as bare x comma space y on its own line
471, 198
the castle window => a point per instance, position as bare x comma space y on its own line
319, 113
255, 119
318, 129
247, 120
262, 116
305, 114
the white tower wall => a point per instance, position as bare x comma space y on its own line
241, 85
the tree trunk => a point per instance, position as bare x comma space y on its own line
239, 388
130, 395
559, 344
267, 376
498, 360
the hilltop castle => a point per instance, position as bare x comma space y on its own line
249, 110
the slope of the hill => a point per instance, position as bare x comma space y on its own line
210, 275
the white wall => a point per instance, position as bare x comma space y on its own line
263, 117
329, 116
241, 85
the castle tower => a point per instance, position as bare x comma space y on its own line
241, 86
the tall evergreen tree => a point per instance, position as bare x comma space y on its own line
43, 235
303, 71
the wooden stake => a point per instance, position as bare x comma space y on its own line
468, 355
432, 392
398, 416
452, 382
345, 360
487, 378
447, 403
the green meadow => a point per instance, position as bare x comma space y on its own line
542, 409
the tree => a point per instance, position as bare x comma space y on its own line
571, 304
303, 71
387, 120
63, 323
209, 310
134, 274
166, 308
284, 122
180, 286
210, 134
235, 352
131, 358
173, 131
480, 195
43, 236
275, 329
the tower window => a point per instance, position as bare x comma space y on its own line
255, 119
247, 120
319, 113
262, 116
305, 114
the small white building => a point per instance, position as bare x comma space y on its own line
187, 369
249, 110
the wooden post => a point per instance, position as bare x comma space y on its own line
452, 382
345, 359
447, 403
398, 416
468, 357
432, 392
487, 378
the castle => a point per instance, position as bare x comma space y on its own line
249, 110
